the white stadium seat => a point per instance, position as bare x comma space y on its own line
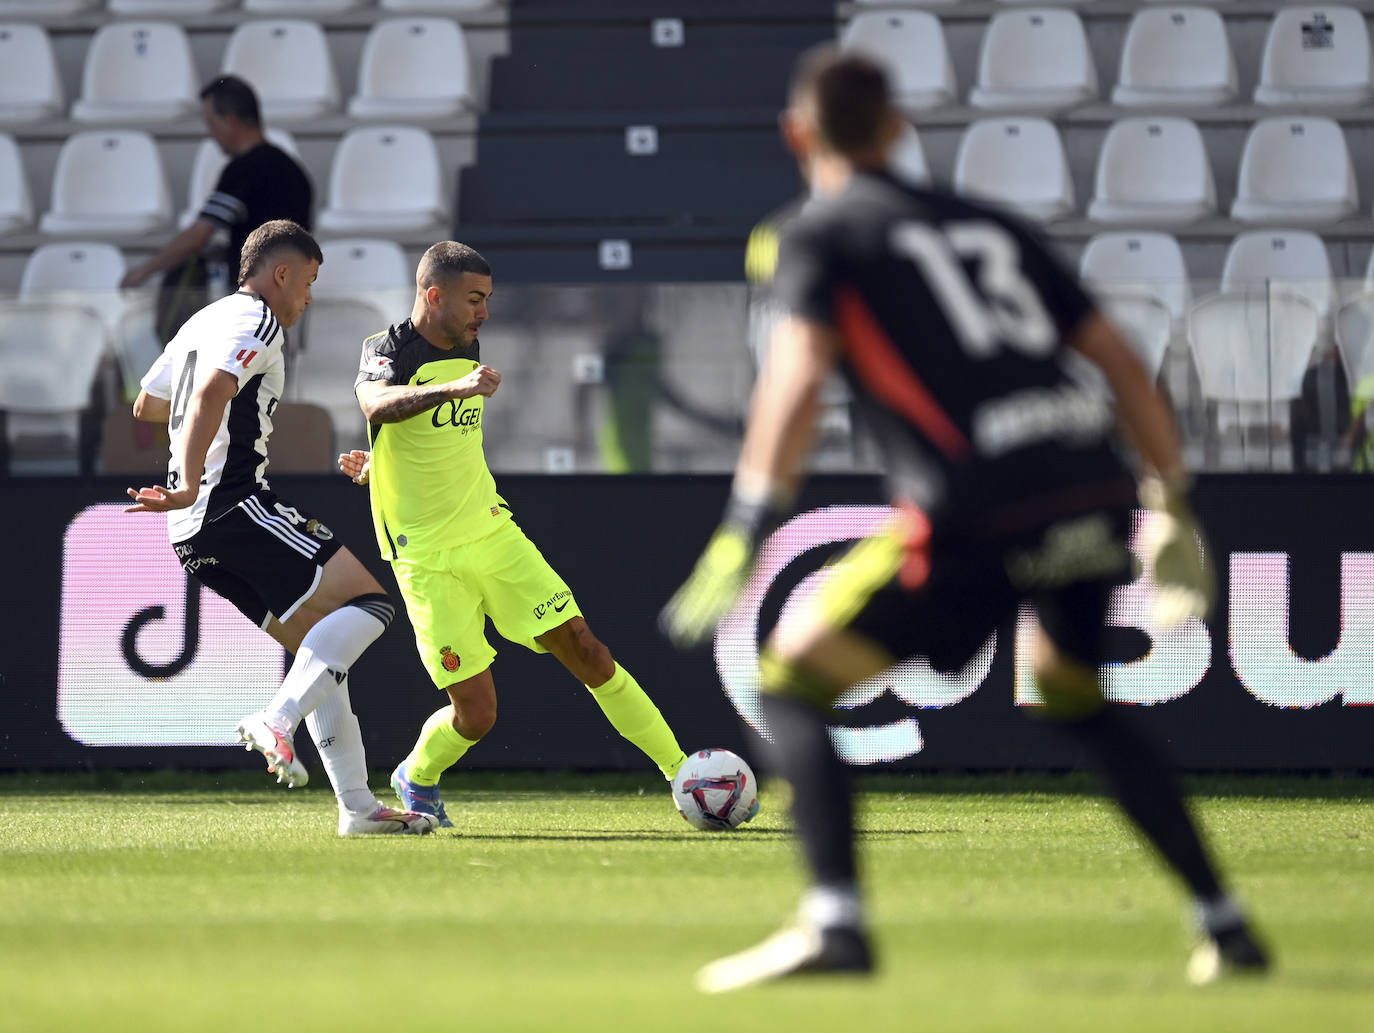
1253, 342
1354, 325
138, 72
43, 390
327, 363
385, 179
308, 7
182, 8
1018, 162
1316, 55
370, 269
1251, 349
108, 184
1148, 262
911, 45
907, 158
1176, 57
16, 202
413, 69
1034, 60
445, 6
1295, 170
45, 8
1294, 259
1153, 171
287, 61
30, 85
77, 273
209, 162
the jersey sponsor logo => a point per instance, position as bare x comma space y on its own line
313, 526
244, 357
449, 658
453, 413
564, 597
1065, 413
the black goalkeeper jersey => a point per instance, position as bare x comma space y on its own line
954, 319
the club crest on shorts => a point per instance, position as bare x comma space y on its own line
318, 529
449, 658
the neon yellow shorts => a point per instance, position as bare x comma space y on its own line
449, 596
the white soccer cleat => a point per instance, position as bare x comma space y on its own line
1231, 952
794, 950
387, 821
275, 744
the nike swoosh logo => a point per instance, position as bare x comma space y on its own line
560, 609
418, 381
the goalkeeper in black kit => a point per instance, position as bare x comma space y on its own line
958, 335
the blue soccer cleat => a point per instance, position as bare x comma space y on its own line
423, 799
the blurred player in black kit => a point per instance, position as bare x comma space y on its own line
958, 334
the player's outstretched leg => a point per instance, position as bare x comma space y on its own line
325, 654
339, 741
637, 719
827, 934
1143, 787
629, 709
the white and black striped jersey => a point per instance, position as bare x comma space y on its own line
240, 335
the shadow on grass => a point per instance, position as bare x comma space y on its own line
685, 836
561, 784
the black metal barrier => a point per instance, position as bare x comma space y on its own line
109, 659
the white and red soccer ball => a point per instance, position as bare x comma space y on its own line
715, 790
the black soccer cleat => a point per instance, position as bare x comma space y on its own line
1232, 950
795, 950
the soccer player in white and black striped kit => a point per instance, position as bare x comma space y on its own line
216, 386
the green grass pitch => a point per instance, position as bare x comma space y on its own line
583, 902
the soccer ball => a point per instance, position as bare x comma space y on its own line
715, 790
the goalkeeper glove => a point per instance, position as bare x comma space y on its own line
1173, 548
714, 585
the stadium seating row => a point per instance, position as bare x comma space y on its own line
413, 68
1175, 56
386, 179
1155, 170
142, 8
1250, 341
110, 183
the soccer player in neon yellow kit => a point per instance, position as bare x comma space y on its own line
458, 555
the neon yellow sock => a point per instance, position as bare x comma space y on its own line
438, 749
636, 718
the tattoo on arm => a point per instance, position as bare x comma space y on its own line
394, 402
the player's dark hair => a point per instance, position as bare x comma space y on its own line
230, 95
271, 238
849, 93
447, 260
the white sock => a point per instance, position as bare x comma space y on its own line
828, 907
326, 653
334, 727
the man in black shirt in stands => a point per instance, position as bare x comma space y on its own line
260, 183
959, 335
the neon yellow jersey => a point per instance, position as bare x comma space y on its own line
430, 486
